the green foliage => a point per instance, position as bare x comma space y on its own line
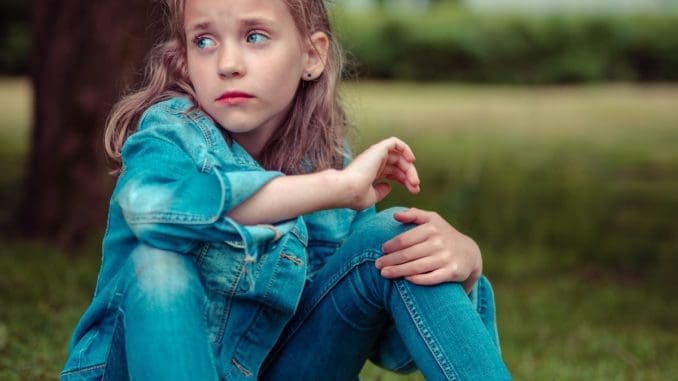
452, 44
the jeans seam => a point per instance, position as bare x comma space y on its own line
424, 332
481, 299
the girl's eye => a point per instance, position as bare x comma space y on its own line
256, 38
203, 42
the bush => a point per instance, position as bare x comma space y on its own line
511, 48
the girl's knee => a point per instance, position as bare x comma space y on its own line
162, 277
368, 236
380, 228
386, 216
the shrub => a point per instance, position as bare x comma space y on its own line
511, 48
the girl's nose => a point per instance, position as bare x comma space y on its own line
231, 63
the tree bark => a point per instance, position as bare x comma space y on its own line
84, 54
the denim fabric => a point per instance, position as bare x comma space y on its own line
348, 312
180, 283
179, 179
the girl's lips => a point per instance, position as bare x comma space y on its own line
233, 97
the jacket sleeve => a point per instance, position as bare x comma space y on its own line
172, 201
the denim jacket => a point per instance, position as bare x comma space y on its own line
180, 177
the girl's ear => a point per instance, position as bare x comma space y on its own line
315, 56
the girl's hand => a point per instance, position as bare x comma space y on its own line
431, 253
389, 159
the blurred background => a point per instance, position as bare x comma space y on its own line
544, 129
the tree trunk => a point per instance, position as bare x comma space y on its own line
84, 54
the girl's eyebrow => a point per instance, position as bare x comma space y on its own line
248, 23
199, 26
256, 21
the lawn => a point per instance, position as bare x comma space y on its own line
570, 191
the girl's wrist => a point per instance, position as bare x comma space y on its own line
339, 188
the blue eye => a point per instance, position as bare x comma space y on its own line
203, 42
256, 38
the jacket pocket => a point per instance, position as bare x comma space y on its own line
223, 269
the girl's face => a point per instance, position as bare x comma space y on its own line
245, 59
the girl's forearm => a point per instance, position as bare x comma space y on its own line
353, 187
288, 197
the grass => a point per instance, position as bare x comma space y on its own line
569, 190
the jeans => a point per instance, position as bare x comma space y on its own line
346, 313
161, 332
348, 308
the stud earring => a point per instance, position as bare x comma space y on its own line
309, 75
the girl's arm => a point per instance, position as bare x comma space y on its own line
352, 187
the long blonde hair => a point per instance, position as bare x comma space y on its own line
311, 138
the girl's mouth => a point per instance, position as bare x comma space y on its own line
233, 97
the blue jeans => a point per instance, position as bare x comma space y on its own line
161, 331
348, 309
346, 314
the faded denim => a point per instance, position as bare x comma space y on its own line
184, 286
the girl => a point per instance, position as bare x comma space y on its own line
240, 245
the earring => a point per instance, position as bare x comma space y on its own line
309, 75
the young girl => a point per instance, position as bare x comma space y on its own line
240, 242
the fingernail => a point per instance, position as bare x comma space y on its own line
377, 264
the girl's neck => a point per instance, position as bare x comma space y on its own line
252, 146
249, 141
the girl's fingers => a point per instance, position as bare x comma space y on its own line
412, 184
402, 177
399, 161
395, 144
381, 190
394, 173
419, 266
439, 276
413, 216
429, 279
404, 163
397, 155
408, 254
407, 239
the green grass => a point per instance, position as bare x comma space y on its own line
571, 193
43, 294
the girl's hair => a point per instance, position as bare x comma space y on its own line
312, 136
